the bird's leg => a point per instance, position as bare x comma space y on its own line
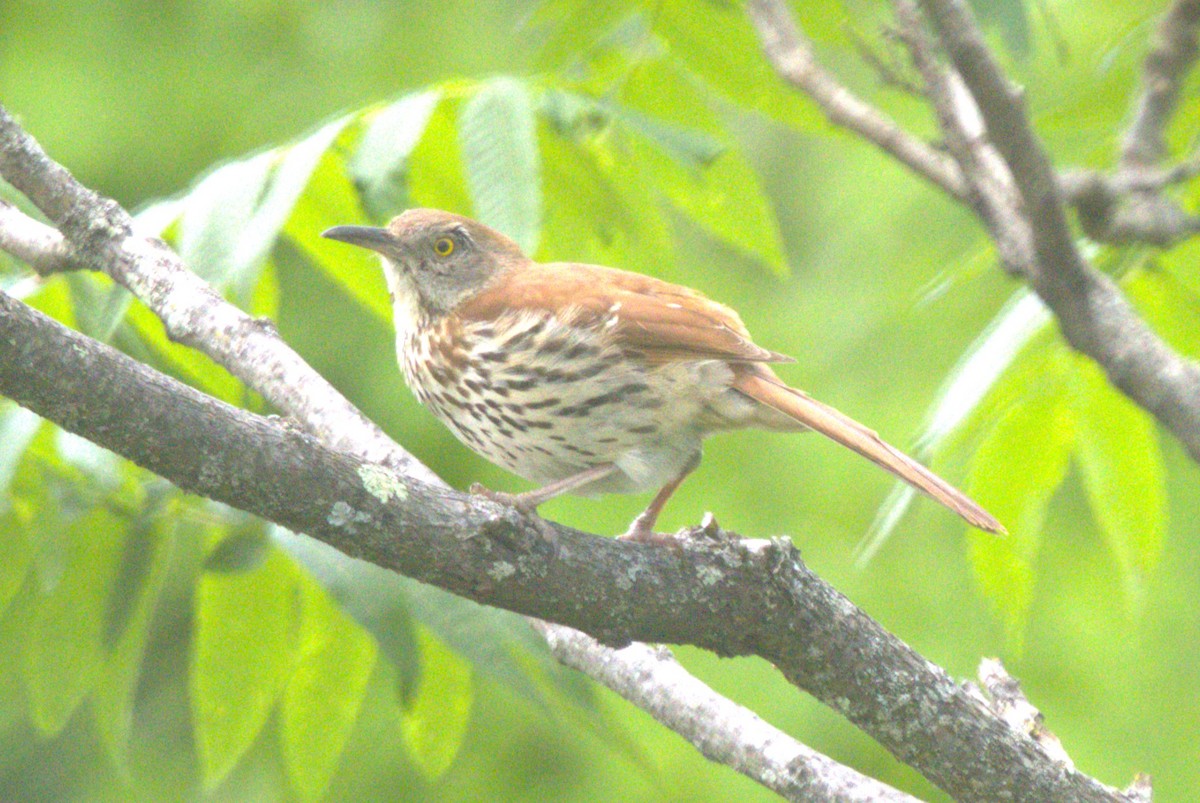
641, 530
528, 501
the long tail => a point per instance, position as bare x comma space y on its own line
796, 404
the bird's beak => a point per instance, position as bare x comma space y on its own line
365, 236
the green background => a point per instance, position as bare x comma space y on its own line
888, 284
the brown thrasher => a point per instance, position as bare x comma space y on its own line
584, 378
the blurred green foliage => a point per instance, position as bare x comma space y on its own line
157, 646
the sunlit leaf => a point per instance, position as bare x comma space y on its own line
244, 649
1123, 474
1018, 467
322, 698
380, 162
498, 137
332, 200
435, 717
436, 175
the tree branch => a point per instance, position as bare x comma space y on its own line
1094, 316
1171, 56
792, 56
734, 597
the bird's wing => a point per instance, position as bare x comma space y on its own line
659, 321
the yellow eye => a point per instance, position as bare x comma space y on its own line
443, 246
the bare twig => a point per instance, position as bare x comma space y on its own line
792, 56
688, 707
991, 191
1171, 56
34, 243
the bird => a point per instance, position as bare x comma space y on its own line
588, 379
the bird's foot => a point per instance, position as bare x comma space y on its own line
524, 503
521, 502
641, 531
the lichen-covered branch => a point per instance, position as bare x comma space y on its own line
735, 597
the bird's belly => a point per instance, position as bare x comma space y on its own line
556, 403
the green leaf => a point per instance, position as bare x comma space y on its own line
1171, 307
435, 718
17, 428
65, 642
148, 556
573, 28
215, 215
385, 604
380, 163
243, 651
687, 159
598, 208
1018, 467
436, 175
232, 218
331, 199
1020, 327
1010, 17
321, 701
1123, 474
149, 343
498, 136
99, 304
716, 41
26, 507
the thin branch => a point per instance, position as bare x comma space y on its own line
991, 193
1171, 56
34, 243
792, 56
732, 596
688, 707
